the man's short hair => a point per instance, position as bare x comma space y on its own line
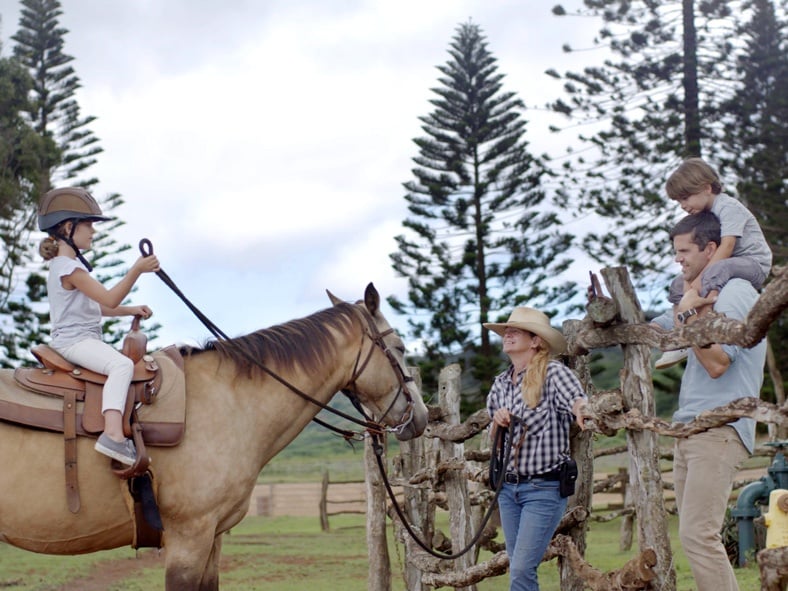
704, 228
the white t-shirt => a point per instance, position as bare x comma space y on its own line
74, 315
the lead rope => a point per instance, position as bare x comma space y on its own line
505, 451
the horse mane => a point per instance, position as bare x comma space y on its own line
305, 342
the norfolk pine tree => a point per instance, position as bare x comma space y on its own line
23, 153
655, 101
55, 114
690, 80
481, 238
756, 146
756, 124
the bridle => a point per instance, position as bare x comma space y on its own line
378, 340
370, 424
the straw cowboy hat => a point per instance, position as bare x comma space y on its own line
534, 322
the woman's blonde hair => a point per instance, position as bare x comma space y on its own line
533, 381
48, 248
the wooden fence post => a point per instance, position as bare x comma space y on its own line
455, 480
582, 451
645, 477
324, 502
379, 576
416, 498
627, 520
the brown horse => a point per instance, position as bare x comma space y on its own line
237, 419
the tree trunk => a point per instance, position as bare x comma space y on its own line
692, 145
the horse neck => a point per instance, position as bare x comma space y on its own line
319, 382
292, 411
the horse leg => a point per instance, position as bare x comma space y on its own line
189, 554
210, 577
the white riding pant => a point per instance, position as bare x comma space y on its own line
103, 358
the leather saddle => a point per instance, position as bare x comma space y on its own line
59, 377
81, 392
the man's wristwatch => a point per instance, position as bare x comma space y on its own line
684, 316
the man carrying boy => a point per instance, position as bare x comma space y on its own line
706, 464
743, 251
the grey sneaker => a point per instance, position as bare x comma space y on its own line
123, 451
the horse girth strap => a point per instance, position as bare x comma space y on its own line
70, 439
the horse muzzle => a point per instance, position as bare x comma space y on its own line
413, 422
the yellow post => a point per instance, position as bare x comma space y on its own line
776, 519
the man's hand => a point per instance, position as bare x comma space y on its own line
692, 299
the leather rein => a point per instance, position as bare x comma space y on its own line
504, 451
373, 427
370, 424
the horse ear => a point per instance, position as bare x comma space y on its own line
372, 299
334, 299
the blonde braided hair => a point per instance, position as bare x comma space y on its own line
48, 248
533, 381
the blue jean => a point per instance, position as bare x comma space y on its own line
530, 512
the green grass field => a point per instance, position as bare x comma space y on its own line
286, 553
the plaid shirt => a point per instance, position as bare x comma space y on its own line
546, 443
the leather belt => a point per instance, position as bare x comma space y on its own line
515, 478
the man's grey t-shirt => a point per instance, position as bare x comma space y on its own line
743, 378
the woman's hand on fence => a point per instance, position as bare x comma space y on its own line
584, 416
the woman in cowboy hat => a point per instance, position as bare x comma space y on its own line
541, 397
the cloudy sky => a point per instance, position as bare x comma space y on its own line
261, 145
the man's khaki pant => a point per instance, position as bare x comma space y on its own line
704, 468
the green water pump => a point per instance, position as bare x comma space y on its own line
755, 495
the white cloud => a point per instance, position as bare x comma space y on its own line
262, 146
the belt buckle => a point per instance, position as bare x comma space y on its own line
512, 478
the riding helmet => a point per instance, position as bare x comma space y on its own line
70, 203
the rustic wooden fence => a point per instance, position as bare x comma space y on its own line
436, 471
330, 506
